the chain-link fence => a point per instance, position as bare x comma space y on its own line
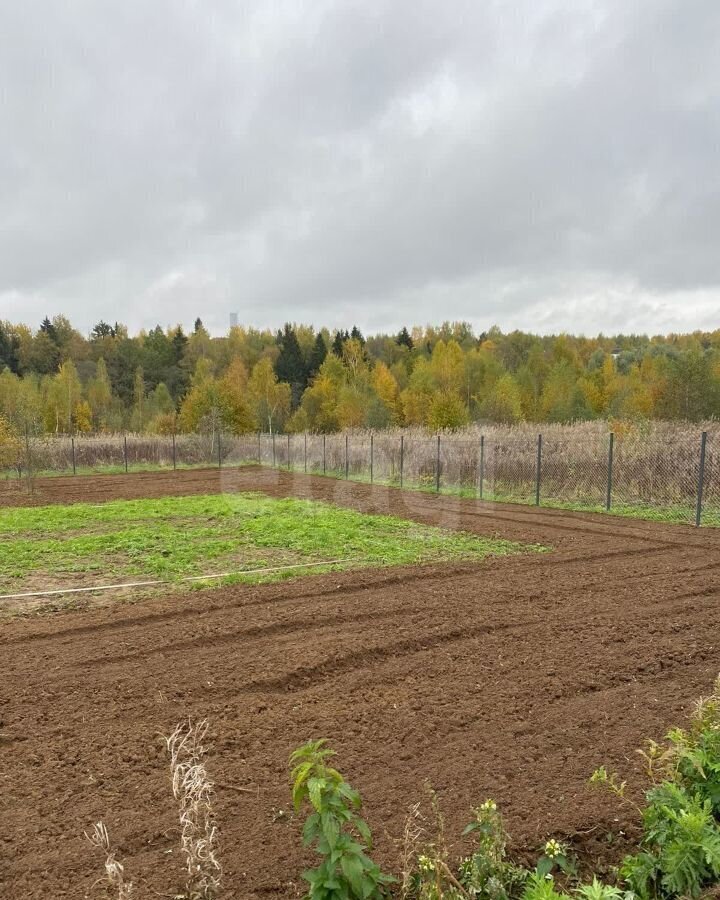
672, 474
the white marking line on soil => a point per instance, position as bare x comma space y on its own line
134, 584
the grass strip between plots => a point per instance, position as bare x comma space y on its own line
169, 538
670, 512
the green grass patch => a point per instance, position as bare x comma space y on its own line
176, 537
119, 469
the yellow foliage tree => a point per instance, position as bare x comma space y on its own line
386, 387
83, 416
269, 398
235, 411
99, 394
351, 408
10, 445
298, 422
447, 365
320, 400
447, 410
417, 396
62, 395
504, 403
201, 400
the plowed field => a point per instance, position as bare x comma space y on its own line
513, 678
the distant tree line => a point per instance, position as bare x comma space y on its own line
54, 379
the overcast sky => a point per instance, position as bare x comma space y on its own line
536, 164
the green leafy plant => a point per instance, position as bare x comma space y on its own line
679, 851
596, 890
486, 872
336, 830
554, 857
691, 758
680, 846
542, 887
610, 780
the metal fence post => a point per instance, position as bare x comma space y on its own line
29, 458
372, 455
273, 443
324, 458
259, 449
402, 456
537, 471
437, 466
305, 458
125, 453
701, 479
72, 451
482, 464
347, 459
288, 451
611, 457
174, 452
219, 452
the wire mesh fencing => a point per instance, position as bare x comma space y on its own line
670, 473
711, 497
575, 471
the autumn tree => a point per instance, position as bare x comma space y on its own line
417, 396
100, 396
63, 392
320, 400
386, 409
562, 399
269, 398
83, 416
10, 446
21, 401
202, 400
503, 404
234, 399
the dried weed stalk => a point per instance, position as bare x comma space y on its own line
100, 839
414, 837
193, 791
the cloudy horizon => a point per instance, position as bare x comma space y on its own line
535, 164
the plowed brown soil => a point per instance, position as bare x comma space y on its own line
513, 678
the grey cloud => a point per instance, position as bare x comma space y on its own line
539, 164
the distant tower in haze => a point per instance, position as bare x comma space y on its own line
233, 320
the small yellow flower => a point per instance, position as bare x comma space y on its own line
553, 848
489, 804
